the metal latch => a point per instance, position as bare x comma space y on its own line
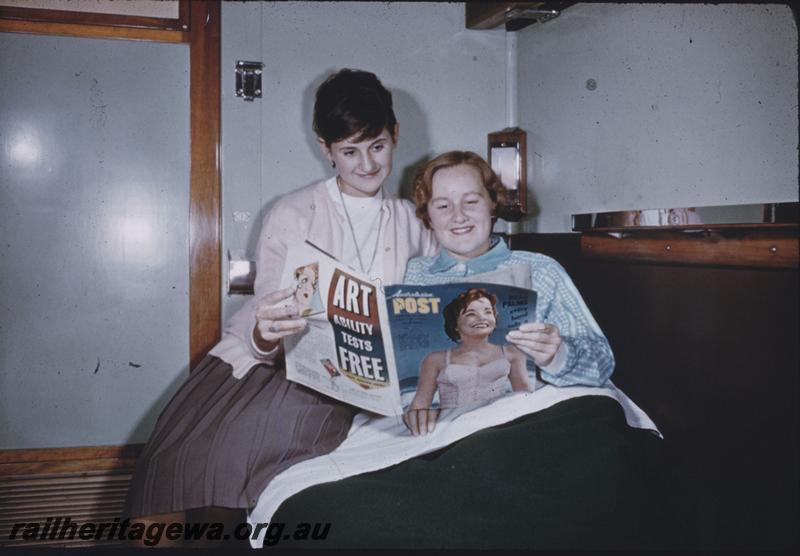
248, 79
241, 274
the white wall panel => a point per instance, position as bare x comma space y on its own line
694, 105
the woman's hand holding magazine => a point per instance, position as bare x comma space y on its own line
421, 421
276, 319
538, 340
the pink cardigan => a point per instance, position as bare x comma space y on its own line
309, 213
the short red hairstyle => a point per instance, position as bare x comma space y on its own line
423, 180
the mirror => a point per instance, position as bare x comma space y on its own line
507, 150
689, 217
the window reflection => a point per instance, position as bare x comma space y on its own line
24, 149
136, 228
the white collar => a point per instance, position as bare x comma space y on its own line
354, 204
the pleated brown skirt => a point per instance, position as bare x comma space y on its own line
220, 440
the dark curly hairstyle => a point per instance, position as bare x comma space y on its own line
454, 309
352, 102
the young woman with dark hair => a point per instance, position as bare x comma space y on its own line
237, 422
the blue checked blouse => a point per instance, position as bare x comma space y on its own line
589, 360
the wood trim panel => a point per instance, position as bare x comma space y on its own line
28, 455
67, 460
788, 226
90, 18
736, 247
185, 15
205, 297
59, 467
92, 31
97, 25
86, 484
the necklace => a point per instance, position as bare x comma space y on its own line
368, 269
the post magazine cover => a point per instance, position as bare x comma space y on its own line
388, 348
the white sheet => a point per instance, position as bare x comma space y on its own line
376, 442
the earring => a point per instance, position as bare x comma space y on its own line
333, 164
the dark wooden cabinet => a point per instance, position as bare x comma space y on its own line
710, 353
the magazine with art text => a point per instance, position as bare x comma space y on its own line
383, 347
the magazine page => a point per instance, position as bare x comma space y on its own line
345, 352
449, 343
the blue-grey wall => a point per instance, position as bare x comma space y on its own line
94, 267
694, 104
448, 85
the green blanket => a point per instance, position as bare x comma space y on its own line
571, 476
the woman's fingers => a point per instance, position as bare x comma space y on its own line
538, 340
535, 327
433, 415
274, 320
535, 345
272, 330
420, 421
276, 297
276, 313
410, 419
283, 326
541, 358
537, 332
535, 349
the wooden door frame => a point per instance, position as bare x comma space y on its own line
198, 25
205, 224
